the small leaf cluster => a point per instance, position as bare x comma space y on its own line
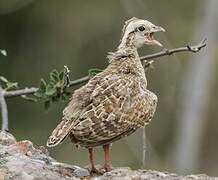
55, 87
7, 85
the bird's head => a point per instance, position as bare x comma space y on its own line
137, 32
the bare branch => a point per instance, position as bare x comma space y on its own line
80, 80
4, 110
151, 57
20, 92
165, 52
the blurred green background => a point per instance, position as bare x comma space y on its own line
42, 35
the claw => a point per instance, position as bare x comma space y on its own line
96, 171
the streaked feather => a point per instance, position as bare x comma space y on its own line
111, 105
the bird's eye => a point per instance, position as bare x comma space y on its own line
141, 28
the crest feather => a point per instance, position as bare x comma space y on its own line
125, 25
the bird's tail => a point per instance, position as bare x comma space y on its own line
59, 133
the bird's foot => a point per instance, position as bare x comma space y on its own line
108, 168
101, 170
94, 170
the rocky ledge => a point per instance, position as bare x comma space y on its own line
23, 161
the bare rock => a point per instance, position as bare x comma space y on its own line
24, 161
128, 174
6, 138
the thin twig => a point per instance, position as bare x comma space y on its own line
80, 80
144, 147
4, 110
20, 92
151, 57
168, 52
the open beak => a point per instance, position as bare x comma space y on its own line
151, 38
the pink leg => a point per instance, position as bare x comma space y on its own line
91, 159
107, 165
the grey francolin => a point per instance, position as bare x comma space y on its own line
115, 102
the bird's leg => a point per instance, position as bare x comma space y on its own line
91, 159
107, 165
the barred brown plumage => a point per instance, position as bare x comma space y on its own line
115, 102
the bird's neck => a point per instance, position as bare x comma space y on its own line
125, 49
128, 59
129, 64
127, 44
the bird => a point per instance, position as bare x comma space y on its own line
115, 102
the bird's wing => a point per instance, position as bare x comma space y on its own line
115, 110
79, 100
108, 106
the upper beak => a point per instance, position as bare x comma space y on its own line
157, 29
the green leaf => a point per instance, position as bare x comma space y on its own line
11, 85
39, 94
8, 85
54, 76
50, 90
3, 52
42, 85
63, 79
94, 71
3, 79
61, 76
59, 85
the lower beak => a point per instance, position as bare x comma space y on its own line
154, 41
